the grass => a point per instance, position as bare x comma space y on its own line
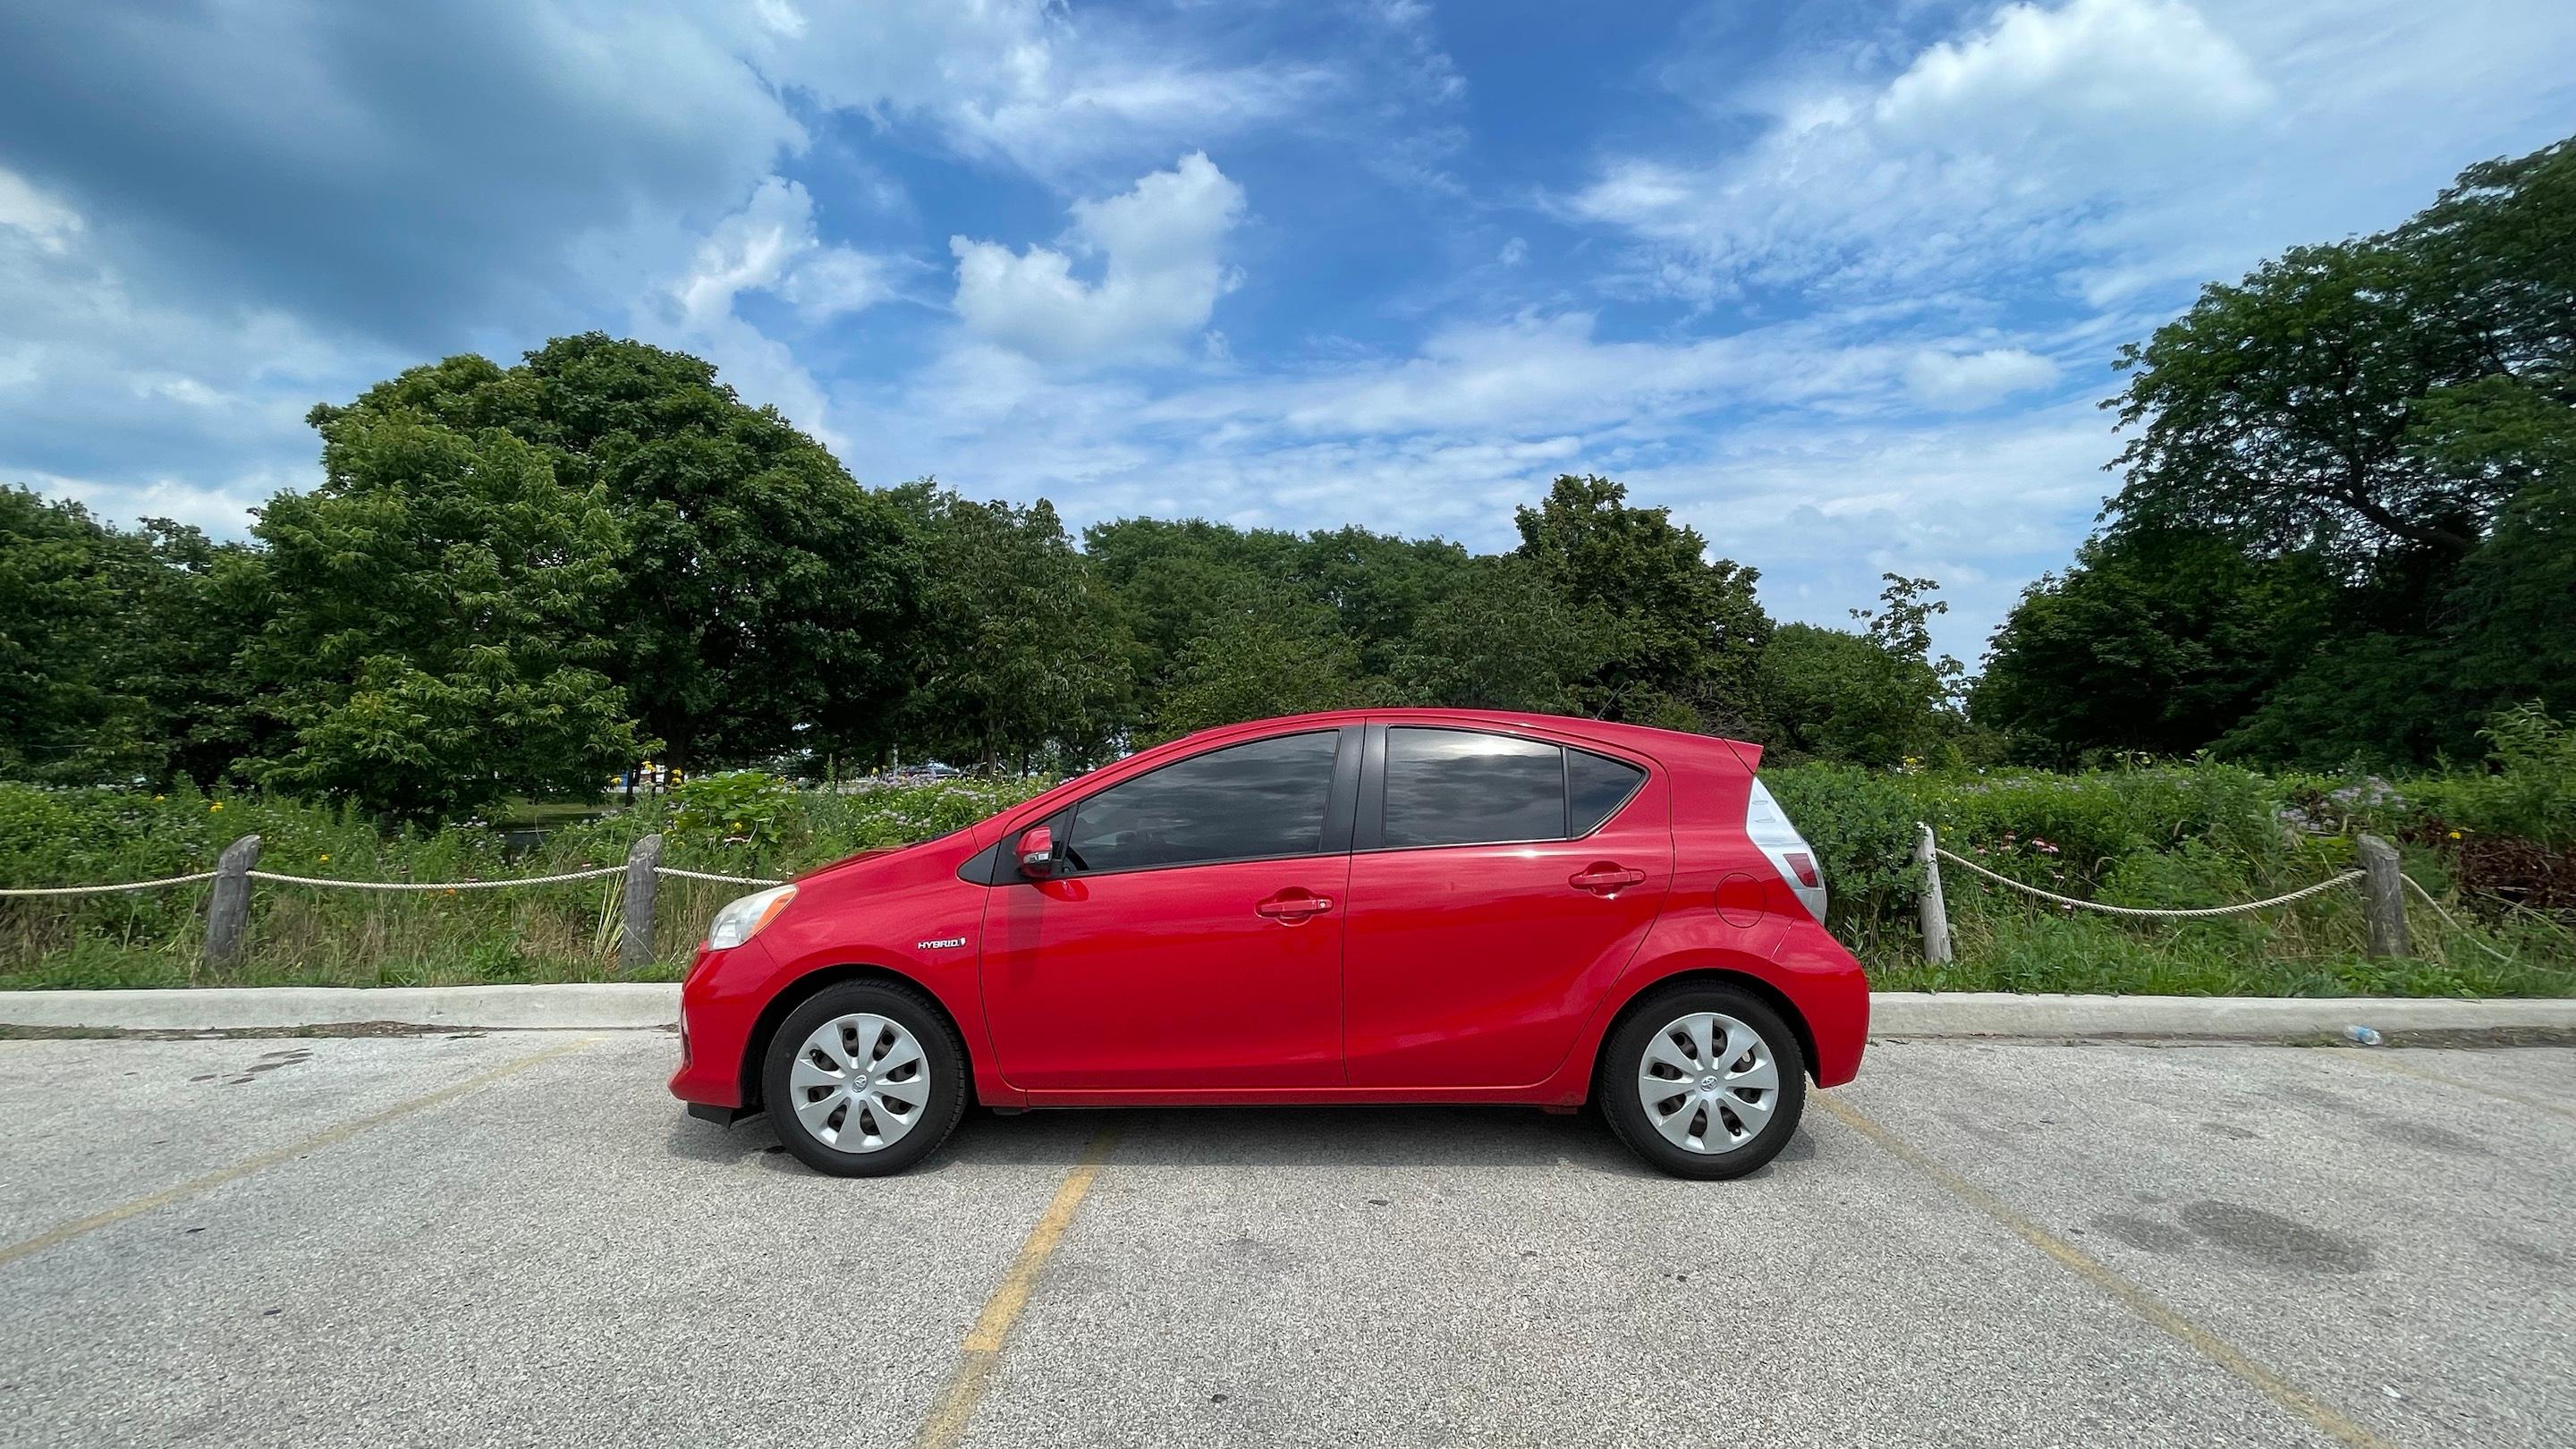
2177, 836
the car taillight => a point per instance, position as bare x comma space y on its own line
1803, 866
1768, 827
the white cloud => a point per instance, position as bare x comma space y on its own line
49, 223
1161, 244
1957, 381
1022, 79
771, 245
2104, 149
1983, 151
2112, 64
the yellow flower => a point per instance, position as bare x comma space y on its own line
2455, 835
157, 799
326, 857
218, 805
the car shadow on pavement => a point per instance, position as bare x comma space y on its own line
1339, 1136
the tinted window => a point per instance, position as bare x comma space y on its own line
1455, 787
1244, 802
1596, 785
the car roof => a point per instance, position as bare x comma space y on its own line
1670, 746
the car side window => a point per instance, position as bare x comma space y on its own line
1595, 787
1257, 801
1463, 787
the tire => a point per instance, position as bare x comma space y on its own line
1707, 1126
875, 1095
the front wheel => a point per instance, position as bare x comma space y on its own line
1703, 1081
864, 1079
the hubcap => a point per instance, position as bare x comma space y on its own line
859, 1083
1708, 1082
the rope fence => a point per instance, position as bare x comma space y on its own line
228, 907
2381, 881
390, 885
2201, 913
95, 890
228, 903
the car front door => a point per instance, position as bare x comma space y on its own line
1499, 884
1197, 942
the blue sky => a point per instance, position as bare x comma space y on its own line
1840, 282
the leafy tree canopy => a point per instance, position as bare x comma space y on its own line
434, 613
1679, 631
759, 598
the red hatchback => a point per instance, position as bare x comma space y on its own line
1378, 906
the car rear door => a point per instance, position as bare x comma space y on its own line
1499, 882
1198, 944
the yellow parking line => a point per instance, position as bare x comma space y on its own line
245, 1168
982, 1350
2421, 1075
2327, 1419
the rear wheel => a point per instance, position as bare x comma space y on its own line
1703, 1081
864, 1079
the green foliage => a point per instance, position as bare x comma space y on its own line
757, 590
729, 810
1252, 663
1680, 634
434, 618
113, 647
2342, 528
343, 937
1504, 640
1020, 654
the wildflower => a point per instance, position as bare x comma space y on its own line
326, 860
2455, 835
157, 799
218, 805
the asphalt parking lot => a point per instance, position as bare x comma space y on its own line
518, 1238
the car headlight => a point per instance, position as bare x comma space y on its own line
741, 920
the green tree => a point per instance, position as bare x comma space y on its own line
58, 624
1831, 694
1503, 641
115, 647
760, 598
2154, 642
1020, 652
1680, 633
1257, 660
434, 614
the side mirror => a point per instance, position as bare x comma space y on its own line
1036, 852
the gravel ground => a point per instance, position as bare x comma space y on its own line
518, 1238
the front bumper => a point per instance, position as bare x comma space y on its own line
719, 1004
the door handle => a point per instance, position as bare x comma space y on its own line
1294, 908
1604, 878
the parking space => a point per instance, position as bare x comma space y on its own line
517, 1238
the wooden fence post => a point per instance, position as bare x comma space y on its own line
1936, 911
2385, 893
228, 904
635, 948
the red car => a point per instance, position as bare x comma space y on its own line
1373, 906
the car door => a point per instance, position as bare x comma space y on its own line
1197, 943
1499, 883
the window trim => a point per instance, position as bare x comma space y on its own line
1370, 836
994, 866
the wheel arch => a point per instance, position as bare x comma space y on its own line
787, 998
1764, 991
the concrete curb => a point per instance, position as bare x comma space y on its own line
2241, 1018
577, 1006
638, 1005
